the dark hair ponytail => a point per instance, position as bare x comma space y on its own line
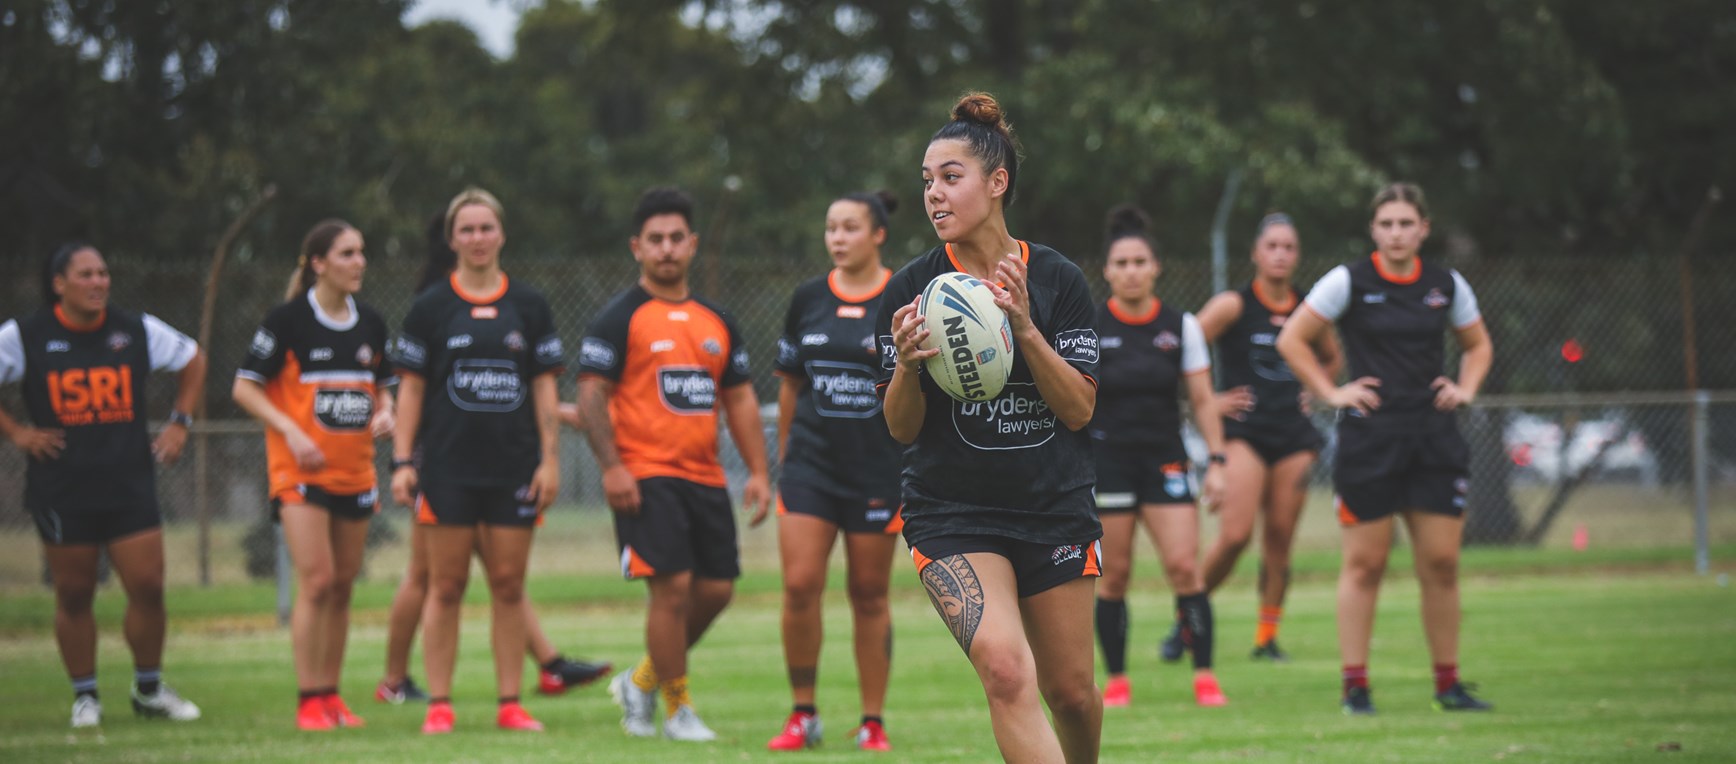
56, 265
1128, 221
441, 258
881, 204
977, 119
317, 243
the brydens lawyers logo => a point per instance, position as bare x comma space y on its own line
1067, 552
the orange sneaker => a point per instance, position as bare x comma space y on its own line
800, 731
311, 716
340, 713
439, 719
872, 737
1206, 690
512, 716
1117, 692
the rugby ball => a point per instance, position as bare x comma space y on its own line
971, 331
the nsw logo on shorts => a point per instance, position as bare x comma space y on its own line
687, 389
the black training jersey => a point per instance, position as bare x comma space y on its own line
1248, 357
1139, 379
324, 374
89, 382
838, 441
1007, 466
1392, 327
478, 357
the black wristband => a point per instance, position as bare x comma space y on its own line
398, 464
1217, 458
181, 418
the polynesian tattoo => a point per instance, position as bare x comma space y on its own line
957, 595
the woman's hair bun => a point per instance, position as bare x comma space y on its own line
887, 200
978, 107
1128, 220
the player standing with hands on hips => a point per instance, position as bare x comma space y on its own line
477, 361
1151, 353
839, 468
91, 483
316, 376
655, 367
1400, 451
997, 493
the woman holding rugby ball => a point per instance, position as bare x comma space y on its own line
997, 493
1151, 353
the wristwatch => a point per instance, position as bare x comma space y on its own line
181, 418
1217, 458
398, 464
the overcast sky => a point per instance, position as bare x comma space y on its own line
494, 21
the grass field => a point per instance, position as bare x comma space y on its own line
1609, 655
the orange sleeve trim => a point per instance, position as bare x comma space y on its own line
1318, 314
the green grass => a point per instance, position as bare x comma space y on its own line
1601, 656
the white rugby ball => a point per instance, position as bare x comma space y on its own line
972, 333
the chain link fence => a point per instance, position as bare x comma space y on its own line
1583, 435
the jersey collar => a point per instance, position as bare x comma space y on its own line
1380, 268
474, 300
1024, 257
1289, 304
66, 321
832, 283
335, 325
1133, 320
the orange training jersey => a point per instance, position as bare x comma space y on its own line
669, 361
324, 374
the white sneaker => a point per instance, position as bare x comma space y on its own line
686, 726
637, 706
86, 712
166, 704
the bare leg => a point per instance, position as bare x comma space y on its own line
1286, 493
1244, 487
537, 644
1055, 622
869, 557
1436, 541
138, 560
804, 543
506, 555
449, 550
73, 568
308, 533
348, 540
666, 623
1366, 546
407, 605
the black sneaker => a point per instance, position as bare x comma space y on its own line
404, 692
578, 673
1269, 652
1172, 648
1358, 702
1459, 698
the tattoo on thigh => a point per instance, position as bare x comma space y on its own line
804, 676
957, 596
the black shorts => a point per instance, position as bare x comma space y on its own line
1273, 442
681, 526
1131, 475
1037, 567
1382, 469
94, 526
853, 515
447, 504
349, 506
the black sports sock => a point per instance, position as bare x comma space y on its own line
807, 708
505, 699
874, 719
1112, 634
1195, 613
305, 695
147, 679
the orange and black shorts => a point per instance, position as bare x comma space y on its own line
681, 526
1037, 567
1129, 475
446, 504
349, 506
853, 515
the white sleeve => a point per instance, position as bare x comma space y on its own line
1330, 296
1195, 356
1464, 307
168, 349
11, 353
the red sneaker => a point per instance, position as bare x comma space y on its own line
311, 716
340, 713
512, 716
802, 730
872, 737
550, 683
1206, 690
1117, 692
439, 719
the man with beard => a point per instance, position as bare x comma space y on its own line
654, 368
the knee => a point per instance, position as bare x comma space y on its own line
802, 594
1439, 572
1277, 539
341, 591
1006, 679
1077, 699
867, 597
447, 592
318, 586
1182, 574
507, 588
74, 600
1364, 572
1234, 539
